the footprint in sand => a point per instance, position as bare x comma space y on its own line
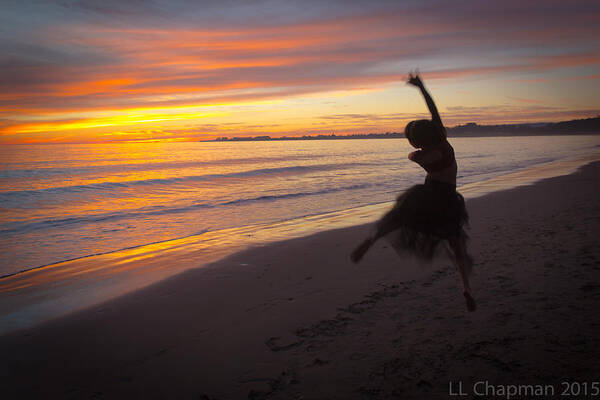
277, 343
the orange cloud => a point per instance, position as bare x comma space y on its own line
123, 72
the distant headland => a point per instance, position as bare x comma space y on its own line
572, 127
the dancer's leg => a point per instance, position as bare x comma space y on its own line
362, 249
461, 260
366, 244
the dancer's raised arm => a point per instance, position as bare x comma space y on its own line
415, 80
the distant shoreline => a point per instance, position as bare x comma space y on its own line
588, 126
394, 135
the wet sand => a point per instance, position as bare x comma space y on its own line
297, 320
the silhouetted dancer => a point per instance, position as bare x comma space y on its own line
432, 213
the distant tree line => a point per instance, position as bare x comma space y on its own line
576, 126
572, 127
387, 135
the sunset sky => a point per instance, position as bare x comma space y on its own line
114, 70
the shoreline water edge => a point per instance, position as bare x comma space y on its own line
82, 200
47, 292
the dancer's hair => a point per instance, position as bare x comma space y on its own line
423, 133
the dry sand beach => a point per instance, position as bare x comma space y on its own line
297, 320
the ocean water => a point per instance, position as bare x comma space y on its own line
61, 202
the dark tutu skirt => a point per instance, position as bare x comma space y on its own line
423, 217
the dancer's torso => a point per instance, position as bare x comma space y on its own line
438, 161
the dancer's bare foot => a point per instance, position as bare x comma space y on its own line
360, 251
471, 306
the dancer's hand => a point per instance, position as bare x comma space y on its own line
414, 80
